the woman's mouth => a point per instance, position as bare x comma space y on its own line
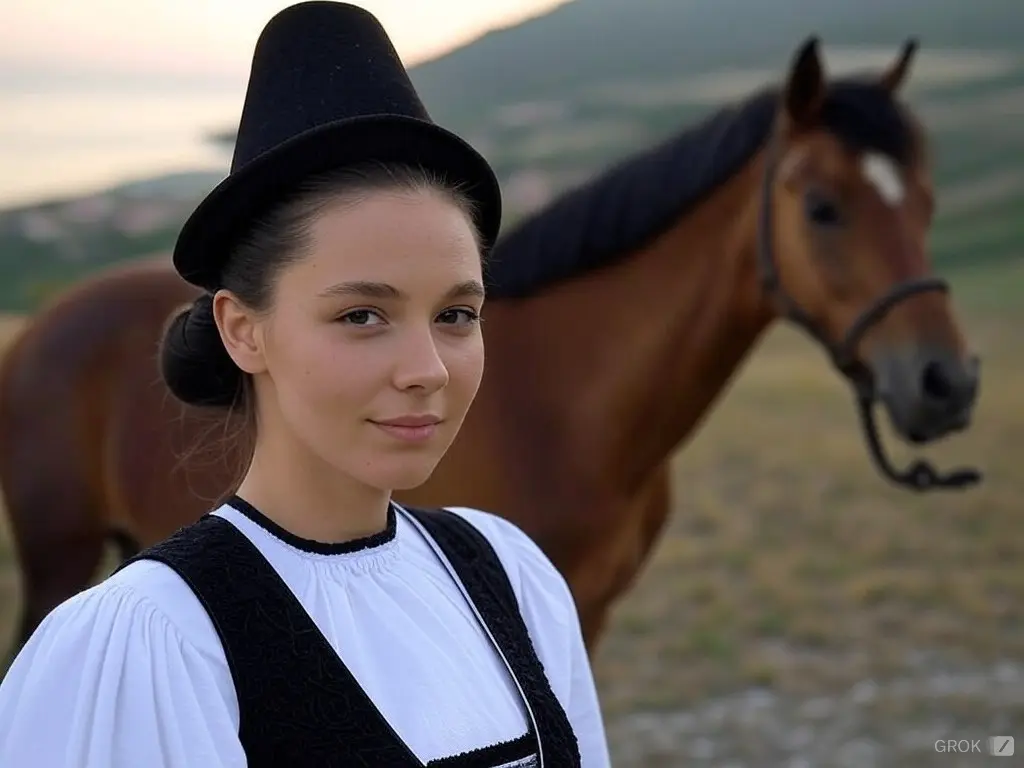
412, 428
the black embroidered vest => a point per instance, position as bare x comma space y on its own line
305, 708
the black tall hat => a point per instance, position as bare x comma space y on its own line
326, 90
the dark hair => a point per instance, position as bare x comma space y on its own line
193, 360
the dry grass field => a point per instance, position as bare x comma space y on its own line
784, 537
792, 571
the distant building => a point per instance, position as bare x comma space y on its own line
40, 226
91, 209
528, 190
139, 217
530, 114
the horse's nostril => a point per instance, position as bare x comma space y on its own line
936, 383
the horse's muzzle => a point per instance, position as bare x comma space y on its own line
929, 391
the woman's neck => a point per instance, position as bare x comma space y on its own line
309, 498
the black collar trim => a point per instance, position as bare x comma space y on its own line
310, 545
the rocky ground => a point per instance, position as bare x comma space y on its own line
873, 724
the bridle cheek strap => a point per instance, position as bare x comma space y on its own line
920, 475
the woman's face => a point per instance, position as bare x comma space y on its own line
372, 350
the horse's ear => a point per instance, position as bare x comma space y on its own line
899, 69
805, 85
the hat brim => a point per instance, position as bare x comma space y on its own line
228, 211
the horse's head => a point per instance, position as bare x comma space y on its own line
848, 204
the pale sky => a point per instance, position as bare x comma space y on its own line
96, 92
214, 37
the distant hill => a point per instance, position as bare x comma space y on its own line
43, 247
568, 54
572, 90
587, 42
555, 99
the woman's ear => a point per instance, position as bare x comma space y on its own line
239, 331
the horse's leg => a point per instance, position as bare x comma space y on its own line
592, 623
59, 541
623, 558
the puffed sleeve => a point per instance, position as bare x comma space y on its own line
550, 613
107, 681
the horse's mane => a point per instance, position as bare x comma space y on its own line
640, 197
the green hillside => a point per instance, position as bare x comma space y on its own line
595, 80
553, 100
587, 42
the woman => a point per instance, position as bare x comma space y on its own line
310, 621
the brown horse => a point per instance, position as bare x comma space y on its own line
617, 316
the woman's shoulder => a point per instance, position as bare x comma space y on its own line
139, 591
539, 585
545, 600
104, 673
135, 611
509, 540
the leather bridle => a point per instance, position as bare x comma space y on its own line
920, 475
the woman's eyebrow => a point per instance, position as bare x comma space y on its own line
468, 289
364, 288
375, 290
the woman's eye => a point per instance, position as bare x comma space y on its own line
454, 316
360, 317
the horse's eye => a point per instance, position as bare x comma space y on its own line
821, 210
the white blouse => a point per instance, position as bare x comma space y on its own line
132, 672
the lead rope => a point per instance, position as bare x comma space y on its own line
920, 475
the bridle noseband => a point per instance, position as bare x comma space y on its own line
920, 475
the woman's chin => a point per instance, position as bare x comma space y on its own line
402, 474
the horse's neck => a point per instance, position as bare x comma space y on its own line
668, 328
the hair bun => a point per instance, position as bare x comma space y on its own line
194, 362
